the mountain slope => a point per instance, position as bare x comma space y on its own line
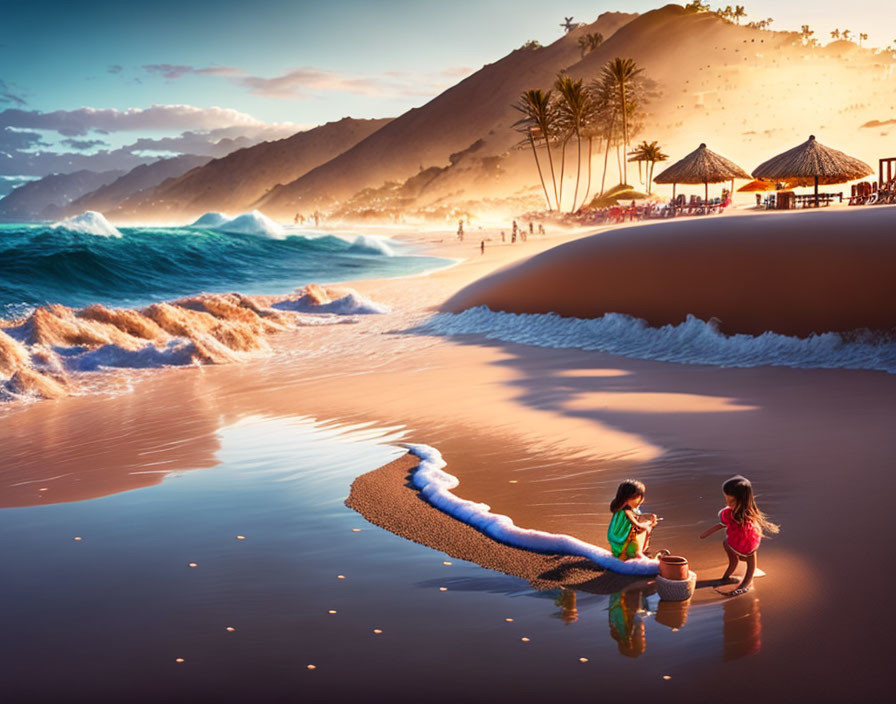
145, 176
47, 198
476, 108
235, 182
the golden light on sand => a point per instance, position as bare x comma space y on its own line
230, 628
377, 631
667, 677
241, 537
192, 564
509, 620
443, 589
655, 403
513, 481
78, 537
311, 667
446, 563
331, 611
356, 530
340, 576
179, 660
524, 639
583, 659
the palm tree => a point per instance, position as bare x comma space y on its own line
739, 13
539, 122
845, 34
862, 37
620, 73
806, 34
835, 34
573, 109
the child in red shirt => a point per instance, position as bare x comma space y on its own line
745, 526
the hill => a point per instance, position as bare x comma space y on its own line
135, 181
236, 182
47, 198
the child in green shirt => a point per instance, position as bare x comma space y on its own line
629, 530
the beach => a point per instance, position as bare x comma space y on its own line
542, 435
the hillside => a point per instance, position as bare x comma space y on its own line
138, 179
235, 183
47, 198
476, 108
747, 93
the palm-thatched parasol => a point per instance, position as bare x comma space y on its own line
759, 186
701, 166
815, 162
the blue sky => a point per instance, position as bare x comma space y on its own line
272, 66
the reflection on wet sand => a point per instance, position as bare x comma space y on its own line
77, 450
626, 611
566, 600
742, 627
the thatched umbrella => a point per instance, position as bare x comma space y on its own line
815, 162
702, 166
758, 186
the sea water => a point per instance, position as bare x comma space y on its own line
86, 260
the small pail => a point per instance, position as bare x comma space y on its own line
673, 567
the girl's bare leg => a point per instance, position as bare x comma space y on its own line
748, 576
732, 564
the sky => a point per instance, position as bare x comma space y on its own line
102, 84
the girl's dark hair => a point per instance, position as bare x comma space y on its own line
745, 509
627, 490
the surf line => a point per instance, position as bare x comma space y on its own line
436, 485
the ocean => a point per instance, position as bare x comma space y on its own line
85, 260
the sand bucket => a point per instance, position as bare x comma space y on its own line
672, 614
673, 567
676, 589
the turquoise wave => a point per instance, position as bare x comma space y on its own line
43, 265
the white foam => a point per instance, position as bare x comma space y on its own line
436, 485
211, 219
178, 352
371, 244
353, 303
691, 342
254, 223
89, 222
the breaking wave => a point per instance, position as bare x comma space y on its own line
42, 354
44, 265
691, 342
88, 223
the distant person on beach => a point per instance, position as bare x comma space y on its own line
513, 237
629, 530
540, 228
744, 525
531, 230
503, 237
515, 230
460, 230
482, 247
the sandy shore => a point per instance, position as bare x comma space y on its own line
542, 435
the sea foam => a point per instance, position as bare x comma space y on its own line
436, 486
89, 222
211, 219
254, 223
315, 299
691, 342
371, 244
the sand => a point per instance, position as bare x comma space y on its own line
544, 436
793, 273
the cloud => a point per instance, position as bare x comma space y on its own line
172, 72
115, 68
7, 94
305, 82
19, 140
77, 123
83, 144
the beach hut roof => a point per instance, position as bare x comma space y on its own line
702, 166
812, 159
